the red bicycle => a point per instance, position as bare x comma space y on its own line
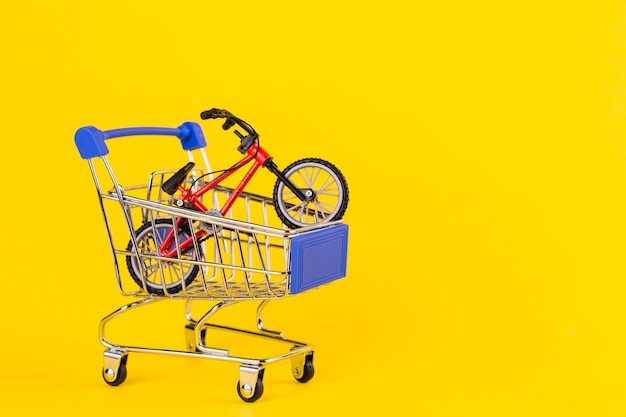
307, 192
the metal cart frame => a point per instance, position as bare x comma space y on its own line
245, 258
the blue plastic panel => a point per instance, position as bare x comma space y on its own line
318, 258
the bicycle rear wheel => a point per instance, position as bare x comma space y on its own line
161, 277
324, 180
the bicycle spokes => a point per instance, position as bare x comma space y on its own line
149, 268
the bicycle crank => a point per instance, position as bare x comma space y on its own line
211, 228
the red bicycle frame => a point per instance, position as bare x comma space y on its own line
256, 153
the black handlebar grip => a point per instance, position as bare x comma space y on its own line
209, 114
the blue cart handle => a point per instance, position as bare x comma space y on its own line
90, 140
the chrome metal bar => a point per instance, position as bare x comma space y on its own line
203, 263
198, 216
298, 348
262, 262
247, 277
117, 313
259, 320
106, 223
202, 322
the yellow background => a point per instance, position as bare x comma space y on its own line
485, 147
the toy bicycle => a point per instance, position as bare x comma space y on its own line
308, 192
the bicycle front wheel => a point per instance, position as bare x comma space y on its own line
330, 190
158, 276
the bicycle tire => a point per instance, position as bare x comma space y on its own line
161, 278
331, 194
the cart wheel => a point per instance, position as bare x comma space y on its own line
249, 395
248, 390
114, 370
306, 373
115, 378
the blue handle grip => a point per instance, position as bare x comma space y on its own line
90, 140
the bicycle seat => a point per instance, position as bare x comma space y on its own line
171, 185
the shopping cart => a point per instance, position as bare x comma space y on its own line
243, 255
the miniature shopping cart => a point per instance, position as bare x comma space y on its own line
243, 255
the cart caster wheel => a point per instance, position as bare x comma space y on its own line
114, 371
305, 372
248, 394
114, 378
250, 390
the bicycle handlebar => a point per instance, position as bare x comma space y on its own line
230, 121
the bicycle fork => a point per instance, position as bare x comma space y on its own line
306, 195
